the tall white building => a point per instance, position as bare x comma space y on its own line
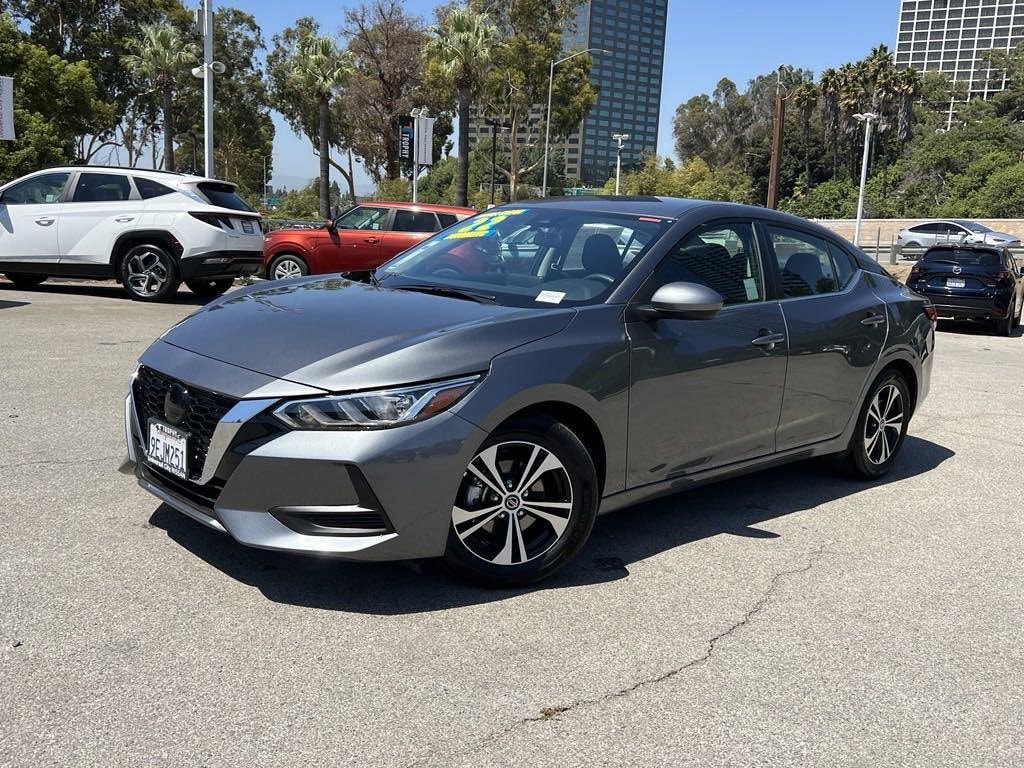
951, 35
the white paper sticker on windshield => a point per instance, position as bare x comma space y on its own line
550, 297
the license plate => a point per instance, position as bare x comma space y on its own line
955, 282
168, 449
247, 227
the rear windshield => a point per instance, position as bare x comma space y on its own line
968, 257
223, 195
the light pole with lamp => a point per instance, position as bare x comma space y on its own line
868, 118
619, 137
547, 115
206, 71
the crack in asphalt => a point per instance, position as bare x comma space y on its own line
60, 462
552, 713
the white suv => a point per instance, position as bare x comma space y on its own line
151, 230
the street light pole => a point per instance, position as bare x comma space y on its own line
208, 88
547, 115
868, 118
619, 137
265, 158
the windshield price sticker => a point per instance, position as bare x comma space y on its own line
482, 225
550, 297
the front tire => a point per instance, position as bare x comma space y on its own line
149, 273
25, 282
210, 289
881, 428
286, 266
525, 506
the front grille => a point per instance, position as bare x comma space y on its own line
203, 496
205, 410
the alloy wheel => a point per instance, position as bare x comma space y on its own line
514, 503
287, 268
883, 427
147, 273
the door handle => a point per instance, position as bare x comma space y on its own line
768, 340
873, 320
44, 222
124, 219
371, 240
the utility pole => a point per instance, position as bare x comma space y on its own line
619, 137
777, 132
267, 157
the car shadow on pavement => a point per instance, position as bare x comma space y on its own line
13, 304
106, 290
734, 507
974, 328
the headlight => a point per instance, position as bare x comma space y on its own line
374, 410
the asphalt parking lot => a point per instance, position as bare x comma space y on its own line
792, 618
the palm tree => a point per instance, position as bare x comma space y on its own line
829, 86
322, 68
906, 84
461, 46
805, 98
160, 56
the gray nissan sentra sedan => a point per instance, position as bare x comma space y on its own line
482, 396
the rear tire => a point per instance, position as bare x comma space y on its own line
534, 517
287, 266
210, 289
25, 282
881, 429
148, 273
1004, 327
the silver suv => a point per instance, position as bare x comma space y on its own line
151, 230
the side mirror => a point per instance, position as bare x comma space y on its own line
329, 225
687, 301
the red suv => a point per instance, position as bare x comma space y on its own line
363, 237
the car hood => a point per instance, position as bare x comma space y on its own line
339, 335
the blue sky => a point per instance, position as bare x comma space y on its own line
706, 41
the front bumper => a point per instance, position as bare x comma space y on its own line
360, 495
221, 264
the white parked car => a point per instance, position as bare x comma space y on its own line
151, 230
954, 232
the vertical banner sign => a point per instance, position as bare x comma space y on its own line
6, 109
425, 140
405, 139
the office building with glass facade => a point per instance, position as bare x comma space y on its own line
951, 35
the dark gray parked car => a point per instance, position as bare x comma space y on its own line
462, 403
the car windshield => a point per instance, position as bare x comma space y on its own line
973, 226
529, 256
968, 257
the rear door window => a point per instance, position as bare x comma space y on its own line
415, 221
447, 219
101, 188
805, 264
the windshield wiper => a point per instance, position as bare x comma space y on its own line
455, 293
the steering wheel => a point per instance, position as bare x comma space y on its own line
607, 279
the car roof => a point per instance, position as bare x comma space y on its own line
419, 206
153, 173
669, 208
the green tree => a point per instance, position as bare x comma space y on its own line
55, 101
98, 34
160, 56
461, 46
530, 38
